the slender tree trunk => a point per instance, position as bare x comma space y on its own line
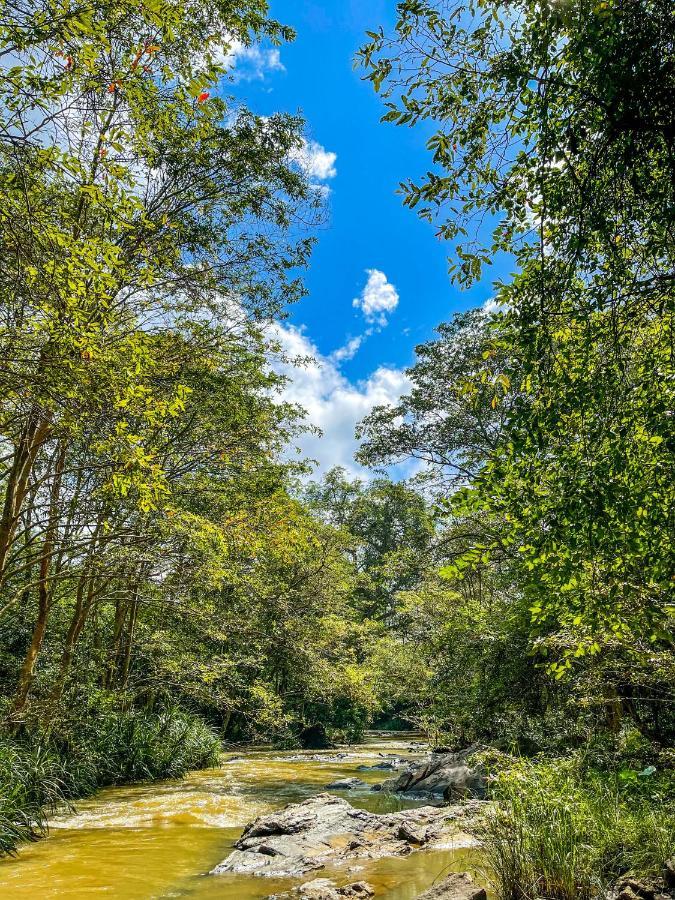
44, 596
33, 438
126, 661
121, 609
81, 613
83, 607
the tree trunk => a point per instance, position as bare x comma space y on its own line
44, 598
80, 615
121, 609
133, 615
34, 436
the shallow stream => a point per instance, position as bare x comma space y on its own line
157, 841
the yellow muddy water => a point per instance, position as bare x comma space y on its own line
157, 841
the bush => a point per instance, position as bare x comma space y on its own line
33, 782
42, 771
560, 832
133, 746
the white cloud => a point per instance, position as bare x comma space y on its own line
378, 298
315, 161
490, 307
350, 349
494, 306
333, 403
251, 63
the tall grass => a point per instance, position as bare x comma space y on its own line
41, 772
560, 833
33, 782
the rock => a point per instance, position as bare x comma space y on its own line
389, 766
412, 835
376, 787
359, 889
632, 889
645, 889
463, 782
443, 775
346, 784
325, 889
325, 829
669, 874
314, 737
455, 887
318, 889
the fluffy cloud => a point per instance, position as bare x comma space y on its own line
378, 298
315, 161
491, 306
349, 350
333, 403
251, 63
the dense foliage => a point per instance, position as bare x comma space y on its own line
554, 121
545, 421
168, 580
564, 831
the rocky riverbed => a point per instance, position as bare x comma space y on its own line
162, 839
325, 829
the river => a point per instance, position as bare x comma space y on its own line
161, 840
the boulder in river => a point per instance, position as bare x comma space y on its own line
444, 775
346, 784
325, 889
455, 887
306, 836
314, 737
388, 766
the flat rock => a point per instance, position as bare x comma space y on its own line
324, 829
455, 887
346, 784
325, 889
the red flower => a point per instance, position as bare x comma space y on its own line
203, 96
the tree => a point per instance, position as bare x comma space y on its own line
450, 421
392, 535
554, 123
146, 223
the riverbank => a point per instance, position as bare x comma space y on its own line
45, 770
559, 827
569, 828
161, 840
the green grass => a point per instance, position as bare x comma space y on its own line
41, 772
561, 832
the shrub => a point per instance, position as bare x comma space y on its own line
44, 770
560, 832
33, 782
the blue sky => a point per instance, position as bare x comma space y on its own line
372, 250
